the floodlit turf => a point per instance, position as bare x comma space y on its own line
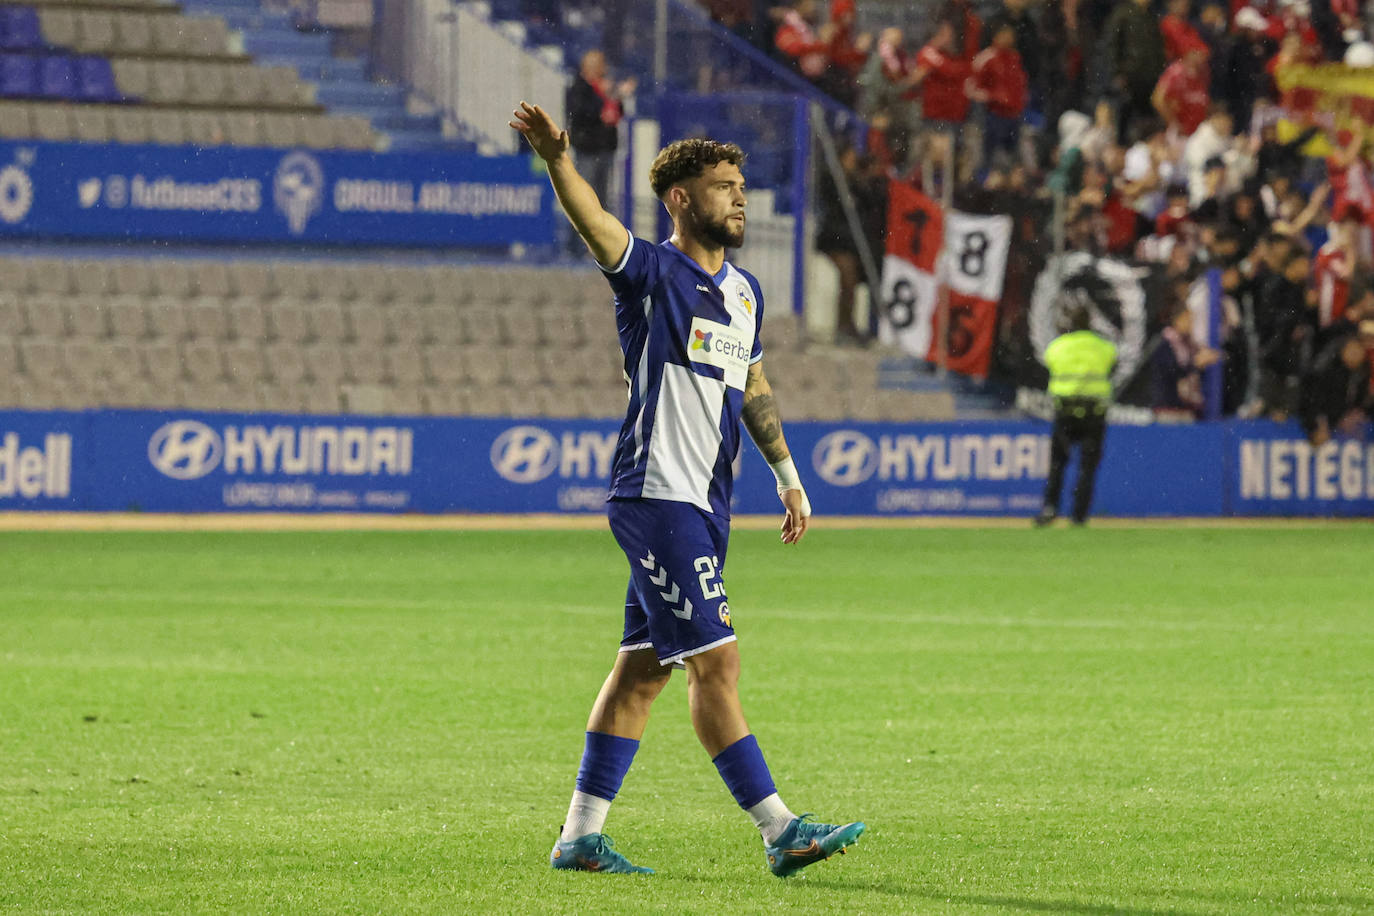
1066, 721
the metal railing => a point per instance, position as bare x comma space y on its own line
696, 78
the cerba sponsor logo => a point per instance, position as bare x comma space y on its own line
719, 345
847, 457
528, 454
190, 449
31, 472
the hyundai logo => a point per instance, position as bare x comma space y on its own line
185, 449
524, 454
845, 458
16, 194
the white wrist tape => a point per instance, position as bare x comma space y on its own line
786, 473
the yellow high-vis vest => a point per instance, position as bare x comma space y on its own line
1080, 365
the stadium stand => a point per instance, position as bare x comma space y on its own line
323, 336
137, 71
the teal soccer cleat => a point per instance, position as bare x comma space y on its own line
802, 844
593, 852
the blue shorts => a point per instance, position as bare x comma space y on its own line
676, 600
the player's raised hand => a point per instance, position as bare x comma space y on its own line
544, 136
798, 515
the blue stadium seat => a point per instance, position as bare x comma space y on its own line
18, 75
95, 80
57, 77
19, 29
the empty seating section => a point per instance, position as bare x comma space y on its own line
210, 83
141, 71
328, 337
298, 336
138, 124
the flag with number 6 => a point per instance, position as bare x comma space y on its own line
973, 267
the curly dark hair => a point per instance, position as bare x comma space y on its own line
685, 159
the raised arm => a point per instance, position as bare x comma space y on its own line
764, 424
605, 236
1309, 213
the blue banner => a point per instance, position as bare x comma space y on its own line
994, 469
38, 452
190, 461
230, 194
197, 462
1276, 471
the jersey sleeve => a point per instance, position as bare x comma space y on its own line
756, 353
636, 273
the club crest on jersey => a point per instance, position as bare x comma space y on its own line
724, 613
743, 292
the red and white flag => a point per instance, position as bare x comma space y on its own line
926, 249
915, 233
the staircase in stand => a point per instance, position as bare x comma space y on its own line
341, 83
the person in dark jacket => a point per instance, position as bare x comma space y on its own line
867, 186
1285, 322
1177, 364
1238, 74
594, 110
1335, 394
1133, 50
1244, 214
1064, 66
1277, 158
1329, 28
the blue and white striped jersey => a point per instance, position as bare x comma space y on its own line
688, 339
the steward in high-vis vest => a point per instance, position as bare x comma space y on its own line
1080, 364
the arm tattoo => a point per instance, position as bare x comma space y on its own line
762, 420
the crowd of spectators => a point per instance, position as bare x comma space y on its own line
1161, 121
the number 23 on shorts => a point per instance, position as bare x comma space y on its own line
712, 586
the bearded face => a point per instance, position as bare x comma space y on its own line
715, 207
726, 231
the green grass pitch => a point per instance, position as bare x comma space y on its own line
1143, 720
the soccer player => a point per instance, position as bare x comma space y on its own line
688, 323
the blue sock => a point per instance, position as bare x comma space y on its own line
605, 761
746, 775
